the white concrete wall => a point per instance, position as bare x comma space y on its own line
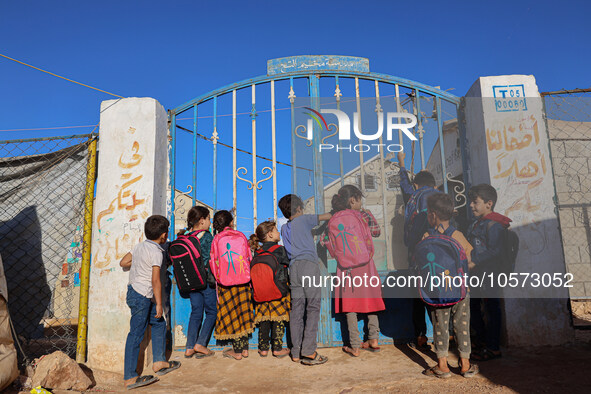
131, 185
507, 145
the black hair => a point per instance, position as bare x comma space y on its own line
194, 215
485, 191
424, 178
340, 201
442, 204
221, 220
155, 226
289, 204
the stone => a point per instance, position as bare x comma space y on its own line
58, 371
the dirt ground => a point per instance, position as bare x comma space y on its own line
395, 369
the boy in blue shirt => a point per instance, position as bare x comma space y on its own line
415, 226
301, 249
486, 236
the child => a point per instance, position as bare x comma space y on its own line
230, 250
415, 225
440, 210
271, 315
348, 299
144, 298
300, 246
198, 222
486, 236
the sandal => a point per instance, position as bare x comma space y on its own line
203, 355
486, 355
470, 373
142, 381
436, 372
172, 365
226, 354
263, 353
316, 360
351, 351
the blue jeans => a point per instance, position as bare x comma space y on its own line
201, 300
142, 314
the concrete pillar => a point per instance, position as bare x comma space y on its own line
507, 146
131, 185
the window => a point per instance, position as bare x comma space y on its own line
370, 182
393, 181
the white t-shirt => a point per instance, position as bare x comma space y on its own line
145, 255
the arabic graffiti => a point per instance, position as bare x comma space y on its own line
117, 231
519, 169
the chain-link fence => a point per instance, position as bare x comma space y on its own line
42, 206
568, 114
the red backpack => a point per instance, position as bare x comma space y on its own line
349, 239
268, 276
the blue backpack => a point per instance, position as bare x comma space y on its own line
415, 215
442, 256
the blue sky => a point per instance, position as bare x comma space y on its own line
177, 50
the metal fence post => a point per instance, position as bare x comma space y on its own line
85, 268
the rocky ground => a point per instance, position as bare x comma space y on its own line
395, 369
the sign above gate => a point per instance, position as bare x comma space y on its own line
289, 64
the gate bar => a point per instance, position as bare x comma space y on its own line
253, 115
172, 160
314, 86
292, 98
194, 154
273, 143
214, 138
234, 180
441, 147
338, 94
379, 112
361, 162
419, 125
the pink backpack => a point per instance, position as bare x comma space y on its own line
349, 239
230, 258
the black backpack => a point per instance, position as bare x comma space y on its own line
510, 242
269, 278
187, 263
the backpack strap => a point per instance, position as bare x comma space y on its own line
273, 248
449, 231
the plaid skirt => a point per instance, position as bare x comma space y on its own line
235, 312
273, 310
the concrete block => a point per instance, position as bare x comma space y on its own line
581, 272
571, 255
572, 166
577, 148
574, 236
584, 254
587, 289
566, 217
557, 149
577, 290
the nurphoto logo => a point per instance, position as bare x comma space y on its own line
399, 123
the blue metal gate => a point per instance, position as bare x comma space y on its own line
252, 124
